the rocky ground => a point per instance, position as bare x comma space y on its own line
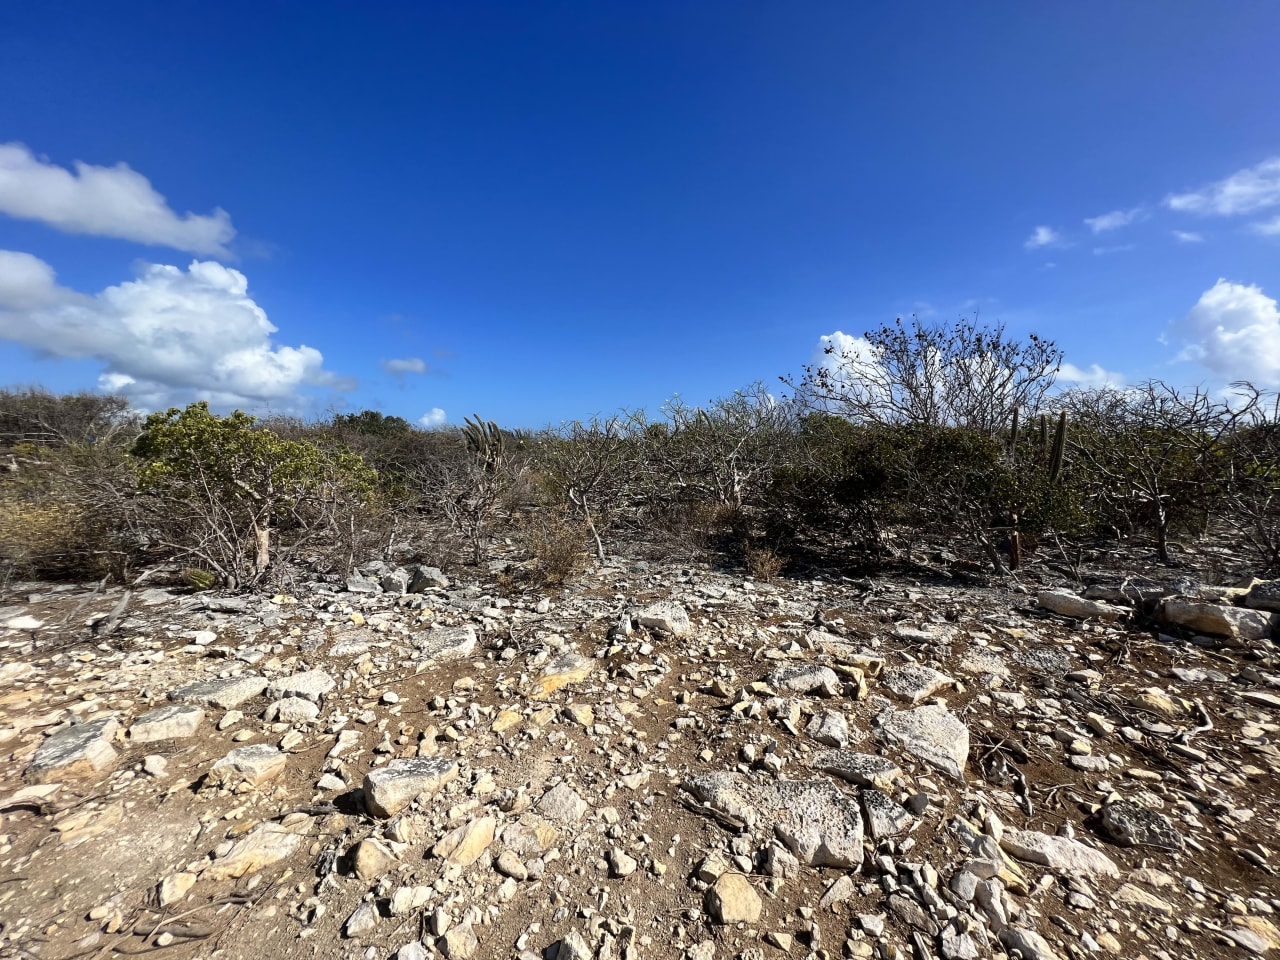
660, 761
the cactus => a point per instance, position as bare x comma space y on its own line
1013, 433
1059, 448
486, 440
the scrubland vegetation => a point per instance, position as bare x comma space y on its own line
950, 444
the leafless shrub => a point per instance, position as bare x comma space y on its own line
1155, 458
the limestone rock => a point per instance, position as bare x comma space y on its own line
829, 727
508, 864
83, 750
818, 822
254, 764
311, 685
292, 710
573, 947
465, 845
175, 887
226, 693
460, 942
1058, 853
886, 817
389, 789
1131, 825
563, 670
442, 644
915, 683
562, 804
174, 721
1030, 944
621, 864
863, 769
426, 578
1068, 604
932, 734
1264, 596
363, 921
732, 899
805, 678
1219, 620
1134, 896
370, 859
264, 845
667, 617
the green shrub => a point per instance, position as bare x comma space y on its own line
235, 496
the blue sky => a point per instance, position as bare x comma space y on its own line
544, 211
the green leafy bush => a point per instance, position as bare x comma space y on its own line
236, 497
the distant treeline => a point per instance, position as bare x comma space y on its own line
927, 437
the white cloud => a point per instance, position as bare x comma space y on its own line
104, 201
434, 417
1093, 376
1042, 237
1245, 191
1267, 228
170, 336
398, 368
1115, 219
1188, 236
1234, 331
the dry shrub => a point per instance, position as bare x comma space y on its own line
556, 547
51, 539
762, 563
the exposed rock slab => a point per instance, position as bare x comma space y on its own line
931, 733
389, 789
566, 669
915, 683
226, 693
1264, 596
667, 617
443, 644
732, 899
173, 721
829, 727
863, 769
311, 685
805, 678
886, 817
1219, 620
563, 804
1132, 825
292, 710
262, 846
817, 822
254, 764
83, 750
464, 845
1057, 853
1068, 604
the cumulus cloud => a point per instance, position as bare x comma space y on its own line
1115, 219
1234, 331
434, 417
1245, 191
104, 201
1042, 237
167, 337
1188, 236
1092, 376
406, 365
